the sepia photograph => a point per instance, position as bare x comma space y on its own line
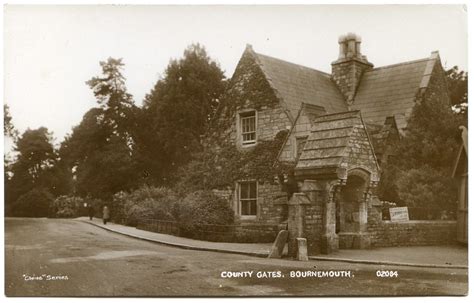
235, 150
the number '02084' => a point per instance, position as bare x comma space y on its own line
387, 273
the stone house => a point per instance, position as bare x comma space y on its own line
339, 131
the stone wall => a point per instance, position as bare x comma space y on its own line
413, 233
256, 233
271, 119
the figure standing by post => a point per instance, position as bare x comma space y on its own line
90, 210
105, 214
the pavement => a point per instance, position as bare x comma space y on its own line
413, 256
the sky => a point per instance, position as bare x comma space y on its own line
51, 51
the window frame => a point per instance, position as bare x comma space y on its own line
242, 116
239, 196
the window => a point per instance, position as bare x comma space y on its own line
248, 198
248, 128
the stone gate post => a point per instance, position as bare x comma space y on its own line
329, 238
296, 215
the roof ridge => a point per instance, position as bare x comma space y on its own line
398, 64
288, 62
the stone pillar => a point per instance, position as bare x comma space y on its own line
329, 238
362, 240
302, 249
363, 216
296, 213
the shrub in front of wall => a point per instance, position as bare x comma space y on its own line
200, 210
66, 207
145, 203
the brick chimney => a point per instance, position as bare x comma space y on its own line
348, 69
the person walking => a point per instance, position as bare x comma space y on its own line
90, 210
105, 214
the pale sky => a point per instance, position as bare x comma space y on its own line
50, 51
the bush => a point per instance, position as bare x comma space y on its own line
145, 203
66, 207
202, 208
427, 188
34, 203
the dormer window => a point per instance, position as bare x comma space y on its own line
248, 128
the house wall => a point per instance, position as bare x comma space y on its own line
250, 90
272, 205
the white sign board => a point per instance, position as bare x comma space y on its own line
399, 214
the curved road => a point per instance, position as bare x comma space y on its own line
60, 257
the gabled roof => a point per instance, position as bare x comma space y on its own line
338, 141
296, 84
391, 90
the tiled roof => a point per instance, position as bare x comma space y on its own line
391, 90
296, 84
332, 139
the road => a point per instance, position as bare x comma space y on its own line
85, 260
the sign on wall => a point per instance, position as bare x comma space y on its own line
399, 214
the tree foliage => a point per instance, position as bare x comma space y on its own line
34, 203
457, 85
177, 111
8, 128
100, 149
420, 174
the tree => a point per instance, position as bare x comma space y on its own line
10, 133
113, 98
35, 166
101, 149
420, 175
177, 111
8, 128
457, 85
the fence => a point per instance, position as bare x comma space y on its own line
258, 233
